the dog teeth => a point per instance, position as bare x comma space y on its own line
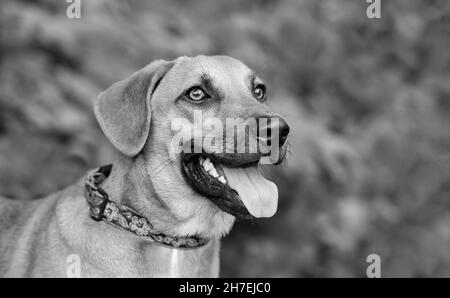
214, 173
208, 165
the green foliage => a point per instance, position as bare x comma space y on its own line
368, 102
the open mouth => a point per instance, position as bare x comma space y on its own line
232, 182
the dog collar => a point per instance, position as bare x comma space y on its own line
125, 218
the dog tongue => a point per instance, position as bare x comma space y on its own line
259, 195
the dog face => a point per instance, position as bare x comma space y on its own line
179, 115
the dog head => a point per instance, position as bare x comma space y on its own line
202, 126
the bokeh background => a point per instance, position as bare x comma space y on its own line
368, 102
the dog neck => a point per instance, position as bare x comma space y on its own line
130, 185
120, 253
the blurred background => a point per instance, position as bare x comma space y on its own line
368, 102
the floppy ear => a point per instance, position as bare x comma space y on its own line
123, 110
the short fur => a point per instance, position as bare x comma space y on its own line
36, 238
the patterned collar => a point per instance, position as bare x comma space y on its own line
122, 217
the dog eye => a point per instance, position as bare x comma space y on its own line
259, 91
196, 94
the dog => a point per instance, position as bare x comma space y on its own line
154, 212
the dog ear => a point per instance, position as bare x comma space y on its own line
123, 110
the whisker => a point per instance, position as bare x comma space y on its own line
288, 148
262, 67
161, 164
264, 169
165, 165
203, 70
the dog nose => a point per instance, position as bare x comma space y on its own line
271, 124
